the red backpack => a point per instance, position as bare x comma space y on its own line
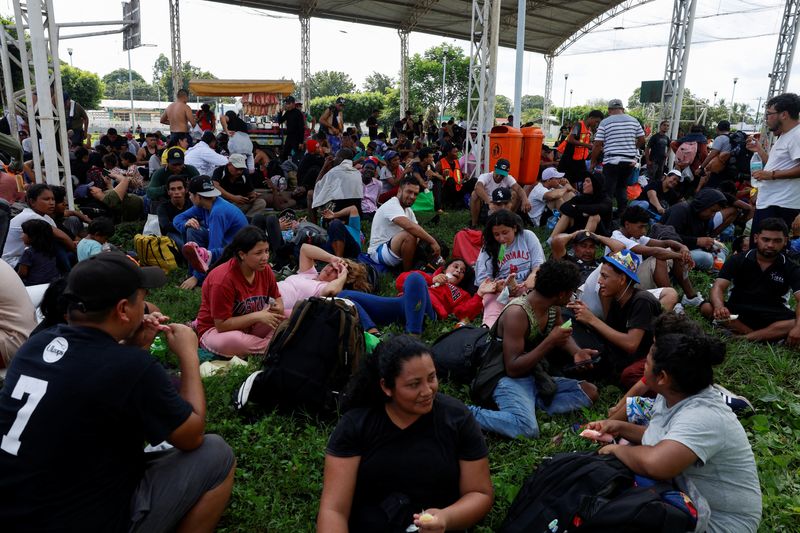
685, 154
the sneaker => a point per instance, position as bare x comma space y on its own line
197, 256
738, 404
692, 302
678, 309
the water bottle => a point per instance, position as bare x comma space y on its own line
158, 348
755, 165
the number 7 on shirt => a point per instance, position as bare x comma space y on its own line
36, 389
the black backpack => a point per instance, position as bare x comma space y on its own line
739, 161
458, 353
584, 491
309, 360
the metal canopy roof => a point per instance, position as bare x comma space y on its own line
548, 22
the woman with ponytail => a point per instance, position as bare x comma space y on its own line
403, 453
241, 305
693, 433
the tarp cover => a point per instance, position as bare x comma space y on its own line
240, 87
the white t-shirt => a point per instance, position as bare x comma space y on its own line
725, 473
383, 226
785, 154
14, 245
629, 243
538, 203
490, 185
300, 286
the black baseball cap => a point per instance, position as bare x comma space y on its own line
203, 186
174, 156
585, 236
501, 195
289, 100
99, 282
501, 167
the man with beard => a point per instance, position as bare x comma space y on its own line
395, 231
756, 306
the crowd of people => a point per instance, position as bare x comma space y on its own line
623, 230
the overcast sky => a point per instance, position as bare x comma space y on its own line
236, 42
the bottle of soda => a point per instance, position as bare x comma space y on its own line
158, 347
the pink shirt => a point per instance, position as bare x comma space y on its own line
299, 287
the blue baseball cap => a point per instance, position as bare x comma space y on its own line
626, 262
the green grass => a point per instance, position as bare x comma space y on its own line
280, 458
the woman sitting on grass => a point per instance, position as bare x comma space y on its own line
510, 257
422, 295
329, 281
241, 305
692, 432
403, 448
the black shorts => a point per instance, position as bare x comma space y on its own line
759, 317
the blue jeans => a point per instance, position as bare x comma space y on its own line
517, 400
337, 231
704, 260
412, 306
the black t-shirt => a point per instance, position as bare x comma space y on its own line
372, 126
240, 187
166, 214
79, 407
421, 461
638, 313
760, 288
671, 197
585, 267
658, 145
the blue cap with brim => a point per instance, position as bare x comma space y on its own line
625, 261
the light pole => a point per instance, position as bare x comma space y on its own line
69, 51
570, 105
733, 93
564, 104
714, 102
444, 77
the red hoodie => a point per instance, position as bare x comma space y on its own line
447, 298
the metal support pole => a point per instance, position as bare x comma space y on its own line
130, 87
404, 104
175, 41
8, 85
564, 102
680, 41
24, 61
784, 52
305, 60
444, 79
548, 92
491, 77
521, 5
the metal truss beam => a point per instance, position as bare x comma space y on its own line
305, 60
784, 53
548, 93
403, 71
41, 70
597, 21
680, 40
175, 46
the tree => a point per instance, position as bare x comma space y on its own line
425, 78
531, 102
378, 83
162, 76
357, 109
84, 87
503, 106
117, 86
330, 83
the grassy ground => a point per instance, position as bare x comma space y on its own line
280, 459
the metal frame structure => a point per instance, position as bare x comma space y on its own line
175, 46
549, 59
677, 63
305, 52
403, 71
784, 52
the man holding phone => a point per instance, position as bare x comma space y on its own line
531, 328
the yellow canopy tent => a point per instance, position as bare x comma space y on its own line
240, 87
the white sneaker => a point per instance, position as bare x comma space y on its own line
692, 302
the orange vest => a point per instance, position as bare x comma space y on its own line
455, 171
581, 153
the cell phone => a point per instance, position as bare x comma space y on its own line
592, 361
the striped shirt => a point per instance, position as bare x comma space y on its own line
619, 134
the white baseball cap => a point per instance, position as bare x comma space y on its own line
551, 173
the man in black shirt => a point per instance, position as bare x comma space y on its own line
660, 193
235, 188
295, 128
757, 307
655, 153
77, 407
177, 204
372, 124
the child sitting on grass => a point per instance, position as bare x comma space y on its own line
37, 265
100, 230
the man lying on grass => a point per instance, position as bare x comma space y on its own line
77, 407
